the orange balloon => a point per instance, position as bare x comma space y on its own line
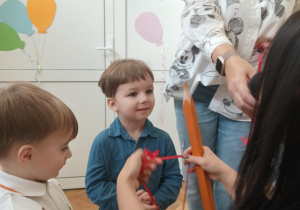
41, 13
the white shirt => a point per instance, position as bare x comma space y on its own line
209, 23
20, 194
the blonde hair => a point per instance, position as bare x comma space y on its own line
28, 114
121, 72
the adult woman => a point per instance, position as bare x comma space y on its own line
269, 174
224, 31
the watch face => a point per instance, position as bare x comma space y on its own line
219, 64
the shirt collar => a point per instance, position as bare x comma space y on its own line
117, 129
21, 186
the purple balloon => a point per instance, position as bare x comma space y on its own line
149, 27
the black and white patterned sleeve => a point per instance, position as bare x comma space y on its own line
203, 25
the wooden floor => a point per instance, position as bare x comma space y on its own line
79, 200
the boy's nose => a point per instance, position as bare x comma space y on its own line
69, 154
143, 98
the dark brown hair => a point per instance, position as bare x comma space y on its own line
270, 170
121, 72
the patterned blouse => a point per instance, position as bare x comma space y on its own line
209, 23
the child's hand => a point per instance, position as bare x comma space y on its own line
146, 200
209, 162
150, 207
144, 197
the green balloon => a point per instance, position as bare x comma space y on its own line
9, 38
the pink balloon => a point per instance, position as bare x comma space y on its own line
149, 27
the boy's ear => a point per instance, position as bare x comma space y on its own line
25, 154
112, 104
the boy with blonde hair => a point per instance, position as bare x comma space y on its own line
35, 130
128, 86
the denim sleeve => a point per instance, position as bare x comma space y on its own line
101, 191
171, 179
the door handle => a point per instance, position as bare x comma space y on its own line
110, 43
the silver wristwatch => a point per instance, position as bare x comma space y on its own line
221, 61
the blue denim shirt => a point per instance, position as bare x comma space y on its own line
109, 152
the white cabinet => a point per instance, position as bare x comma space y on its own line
72, 66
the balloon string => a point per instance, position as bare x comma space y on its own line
28, 56
163, 62
38, 59
161, 90
43, 45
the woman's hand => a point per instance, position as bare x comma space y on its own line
209, 162
216, 168
238, 74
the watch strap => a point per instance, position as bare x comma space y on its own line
225, 57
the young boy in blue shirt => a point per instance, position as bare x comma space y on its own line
128, 86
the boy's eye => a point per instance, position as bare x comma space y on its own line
149, 91
132, 94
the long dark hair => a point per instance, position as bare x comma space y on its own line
269, 175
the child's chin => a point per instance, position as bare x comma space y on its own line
143, 117
42, 180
